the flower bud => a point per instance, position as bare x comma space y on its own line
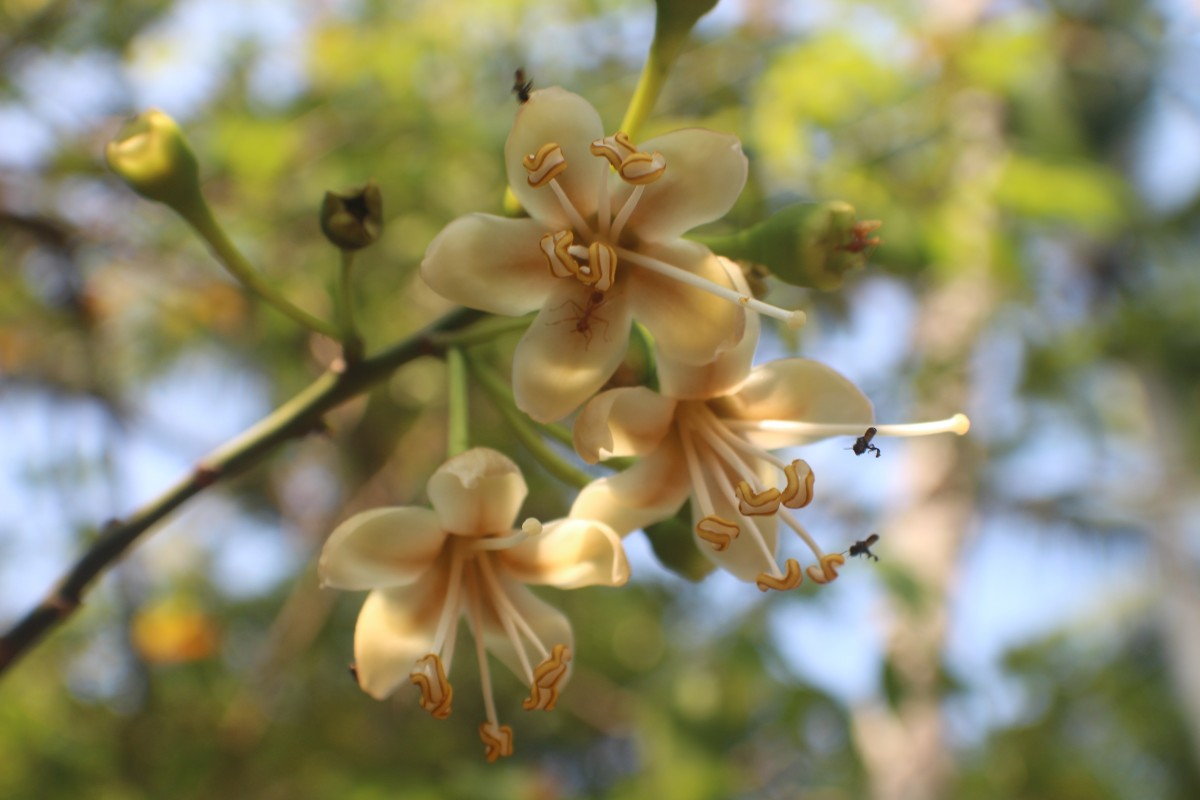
151, 154
806, 244
353, 219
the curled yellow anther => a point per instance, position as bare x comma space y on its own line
548, 679
717, 532
642, 168
497, 740
827, 571
545, 165
791, 579
602, 263
615, 148
799, 490
751, 504
555, 247
436, 692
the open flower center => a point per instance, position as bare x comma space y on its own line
475, 591
591, 255
723, 461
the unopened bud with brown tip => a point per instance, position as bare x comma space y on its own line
151, 154
353, 219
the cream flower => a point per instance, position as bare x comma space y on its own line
713, 444
426, 569
601, 248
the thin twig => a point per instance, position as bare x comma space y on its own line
295, 418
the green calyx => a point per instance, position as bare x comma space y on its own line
151, 154
353, 219
805, 244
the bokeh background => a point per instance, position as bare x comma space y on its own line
1032, 629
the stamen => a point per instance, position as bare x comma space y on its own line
548, 679
828, 569
511, 540
506, 619
958, 424
556, 247
504, 606
602, 258
762, 504
572, 213
450, 608
790, 521
717, 531
545, 165
794, 319
497, 741
625, 212
641, 169
475, 617
793, 578
615, 148
799, 490
429, 675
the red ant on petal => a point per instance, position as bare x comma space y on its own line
585, 314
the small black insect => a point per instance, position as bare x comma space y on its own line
521, 86
863, 444
863, 548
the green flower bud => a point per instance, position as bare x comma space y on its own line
806, 244
151, 154
675, 546
353, 219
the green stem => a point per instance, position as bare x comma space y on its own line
200, 217
299, 416
486, 331
352, 343
458, 433
524, 428
650, 84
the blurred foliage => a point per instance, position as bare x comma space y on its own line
997, 146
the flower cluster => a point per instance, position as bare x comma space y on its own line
600, 250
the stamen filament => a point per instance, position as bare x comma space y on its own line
626, 211
572, 213
604, 207
799, 529
505, 606
475, 617
794, 319
496, 592
958, 424
501, 542
450, 607
721, 427
696, 474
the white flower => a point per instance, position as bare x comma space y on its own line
711, 441
426, 569
601, 248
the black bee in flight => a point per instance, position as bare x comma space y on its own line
863, 548
863, 444
522, 87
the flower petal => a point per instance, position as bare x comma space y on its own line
724, 373
477, 493
559, 363
556, 115
490, 263
622, 422
567, 554
650, 491
549, 624
381, 548
689, 325
395, 628
798, 390
705, 174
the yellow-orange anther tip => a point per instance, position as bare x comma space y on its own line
960, 424
796, 319
531, 526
